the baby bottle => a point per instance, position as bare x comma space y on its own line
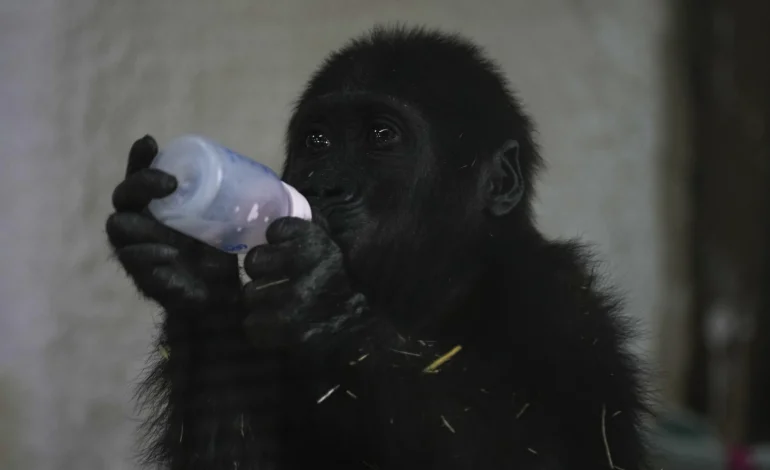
223, 199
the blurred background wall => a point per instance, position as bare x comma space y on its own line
81, 79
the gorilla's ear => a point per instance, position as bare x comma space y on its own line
506, 183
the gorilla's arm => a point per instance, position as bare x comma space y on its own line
210, 396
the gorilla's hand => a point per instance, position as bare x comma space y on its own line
167, 266
300, 292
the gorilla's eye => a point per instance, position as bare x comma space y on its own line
316, 141
382, 134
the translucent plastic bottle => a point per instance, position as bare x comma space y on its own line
223, 199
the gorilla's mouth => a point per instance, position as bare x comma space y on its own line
334, 209
334, 201
337, 214
340, 216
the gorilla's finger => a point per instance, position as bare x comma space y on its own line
140, 257
142, 153
138, 189
288, 228
171, 284
128, 228
269, 261
321, 221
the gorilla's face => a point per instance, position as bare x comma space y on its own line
361, 159
398, 191
410, 152
415, 155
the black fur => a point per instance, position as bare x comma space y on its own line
414, 154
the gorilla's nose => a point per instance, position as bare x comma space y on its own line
332, 192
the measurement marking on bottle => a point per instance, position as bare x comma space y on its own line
237, 209
254, 212
234, 248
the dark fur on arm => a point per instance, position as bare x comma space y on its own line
211, 403
212, 399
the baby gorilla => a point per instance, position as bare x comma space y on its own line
419, 321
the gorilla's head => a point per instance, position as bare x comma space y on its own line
411, 146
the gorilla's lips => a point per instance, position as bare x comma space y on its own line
339, 216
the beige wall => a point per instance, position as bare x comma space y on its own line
80, 79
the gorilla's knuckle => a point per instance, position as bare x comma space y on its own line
117, 196
278, 231
109, 227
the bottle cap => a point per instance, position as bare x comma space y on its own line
299, 206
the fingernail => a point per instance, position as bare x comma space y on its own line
171, 183
149, 141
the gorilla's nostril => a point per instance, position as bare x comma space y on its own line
339, 193
334, 192
329, 188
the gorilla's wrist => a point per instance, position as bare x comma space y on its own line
214, 299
